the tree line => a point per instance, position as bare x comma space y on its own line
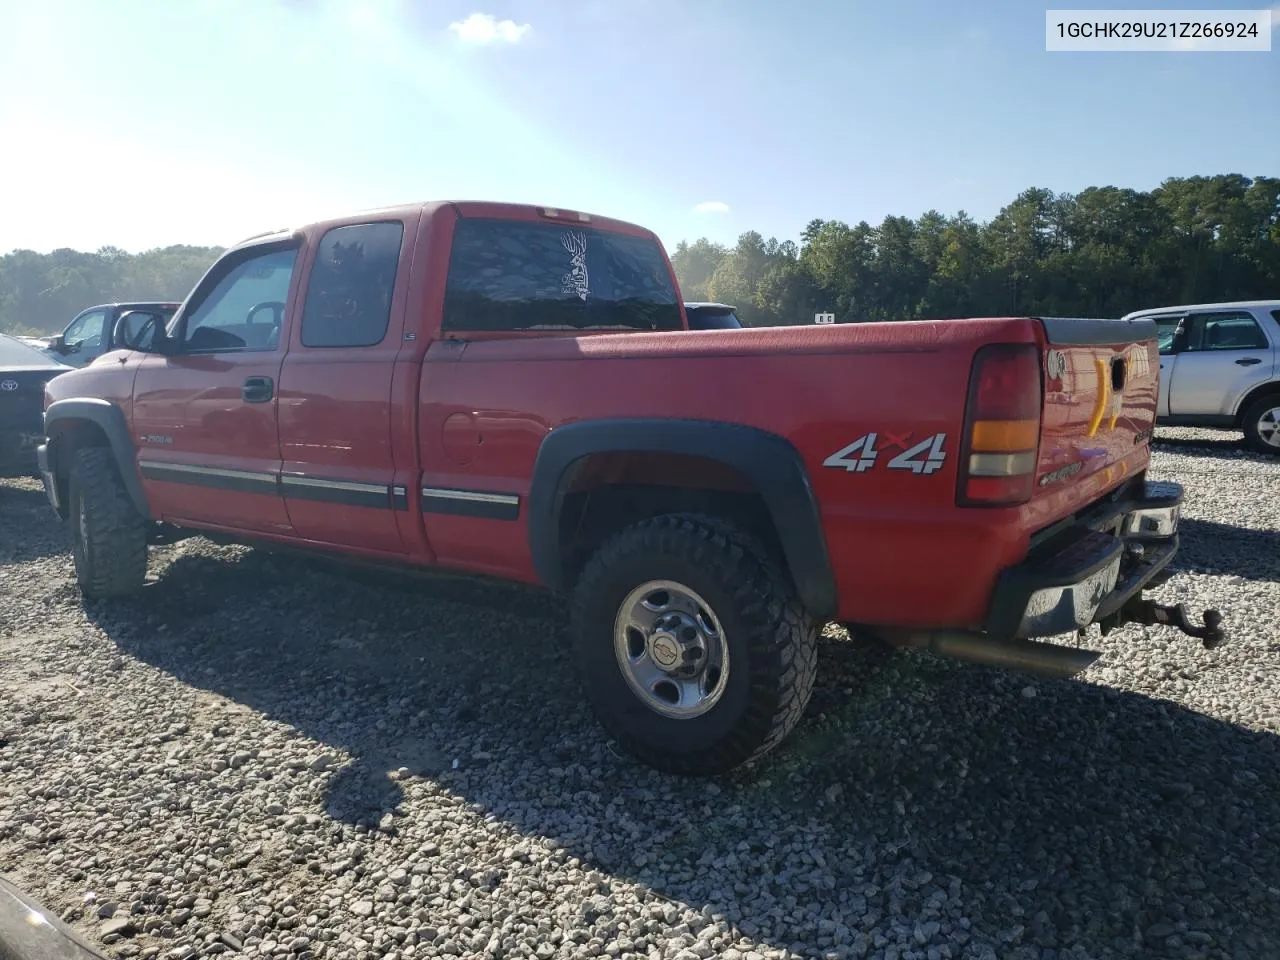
41, 292
1101, 253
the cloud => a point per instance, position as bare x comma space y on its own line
482, 28
711, 206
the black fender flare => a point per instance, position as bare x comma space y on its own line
108, 418
770, 462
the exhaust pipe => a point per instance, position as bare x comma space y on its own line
1046, 659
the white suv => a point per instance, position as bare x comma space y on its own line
1219, 368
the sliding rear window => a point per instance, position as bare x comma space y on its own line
515, 275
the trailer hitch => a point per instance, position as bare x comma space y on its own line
1149, 613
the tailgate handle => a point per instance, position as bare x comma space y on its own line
1248, 361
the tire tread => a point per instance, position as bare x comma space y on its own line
115, 550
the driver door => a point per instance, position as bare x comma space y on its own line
205, 412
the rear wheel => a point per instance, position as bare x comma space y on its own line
108, 535
694, 650
1261, 423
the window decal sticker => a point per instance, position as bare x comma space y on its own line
576, 282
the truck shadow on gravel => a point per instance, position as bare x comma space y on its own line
1008, 811
1223, 548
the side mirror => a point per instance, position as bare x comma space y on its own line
58, 343
138, 330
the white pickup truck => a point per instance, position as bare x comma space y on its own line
1220, 368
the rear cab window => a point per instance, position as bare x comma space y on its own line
520, 275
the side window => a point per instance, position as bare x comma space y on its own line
1166, 333
1236, 330
245, 308
516, 275
85, 331
349, 292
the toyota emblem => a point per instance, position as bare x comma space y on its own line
8, 385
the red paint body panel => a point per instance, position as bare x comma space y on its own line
195, 402
894, 537
419, 410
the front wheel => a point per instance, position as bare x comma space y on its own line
694, 650
1261, 424
108, 535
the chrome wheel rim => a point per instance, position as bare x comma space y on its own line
1269, 427
671, 649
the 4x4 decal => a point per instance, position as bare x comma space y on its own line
922, 458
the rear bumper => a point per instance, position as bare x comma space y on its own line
1087, 569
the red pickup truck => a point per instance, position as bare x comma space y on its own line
513, 391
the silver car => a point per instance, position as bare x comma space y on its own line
1220, 367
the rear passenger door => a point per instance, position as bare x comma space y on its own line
1224, 355
339, 478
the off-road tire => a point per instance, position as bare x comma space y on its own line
772, 643
108, 535
1250, 423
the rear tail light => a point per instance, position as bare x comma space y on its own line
1001, 440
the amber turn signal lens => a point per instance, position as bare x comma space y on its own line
1004, 436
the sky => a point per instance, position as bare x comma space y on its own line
142, 123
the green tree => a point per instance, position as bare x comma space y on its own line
694, 263
40, 293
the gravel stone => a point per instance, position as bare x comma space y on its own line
116, 927
256, 755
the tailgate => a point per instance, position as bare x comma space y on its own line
1101, 385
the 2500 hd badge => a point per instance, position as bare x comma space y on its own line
1061, 473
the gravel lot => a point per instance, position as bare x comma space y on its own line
261, 756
